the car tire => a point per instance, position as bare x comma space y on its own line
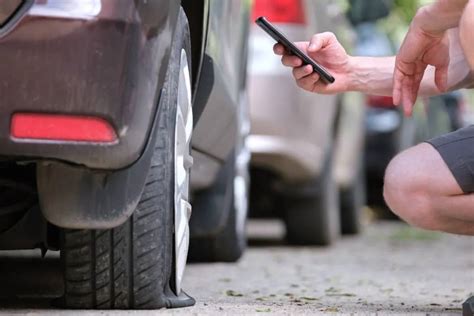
353, 199
312, 215
229, 242
136, 265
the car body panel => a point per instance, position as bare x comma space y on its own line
204, 171
107, 63
225, 57
350, 139
219, 100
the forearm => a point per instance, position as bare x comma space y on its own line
371, 75
374, 75
440, 16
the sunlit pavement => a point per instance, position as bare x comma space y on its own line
390, 269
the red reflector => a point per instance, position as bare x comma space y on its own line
279, 11
61, 127
378, 101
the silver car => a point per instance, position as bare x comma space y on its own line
306, 148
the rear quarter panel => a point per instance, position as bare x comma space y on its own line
111, 65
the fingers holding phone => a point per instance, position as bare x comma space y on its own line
288, 59
327, 51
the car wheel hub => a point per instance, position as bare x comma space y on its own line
183, 163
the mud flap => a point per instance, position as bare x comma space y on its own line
80, 198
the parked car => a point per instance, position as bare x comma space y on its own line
306, 164
98, 101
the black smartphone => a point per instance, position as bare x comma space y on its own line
291, 48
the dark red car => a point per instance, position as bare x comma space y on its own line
96, 118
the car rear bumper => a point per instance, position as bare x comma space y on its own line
293, 160
97, 58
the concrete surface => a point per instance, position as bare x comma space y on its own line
391, 269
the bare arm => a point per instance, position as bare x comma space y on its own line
426, 44
374, 75
440, 16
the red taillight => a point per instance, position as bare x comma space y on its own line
61, 128
378, 101
279, 11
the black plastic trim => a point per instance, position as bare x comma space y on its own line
204, 87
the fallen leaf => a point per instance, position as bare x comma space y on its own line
332, 290
233, 293
307, 298
341, 294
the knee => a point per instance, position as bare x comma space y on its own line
407, 189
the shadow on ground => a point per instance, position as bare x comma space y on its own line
29, 281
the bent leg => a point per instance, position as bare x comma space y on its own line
421, 189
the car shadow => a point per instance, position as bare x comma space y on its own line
266, 233
29, 281
266, 242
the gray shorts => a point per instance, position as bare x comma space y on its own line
457, 150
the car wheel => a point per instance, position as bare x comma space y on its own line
353, 199
140, 264
228, 242
312, 215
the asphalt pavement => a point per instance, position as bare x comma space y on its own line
390, 269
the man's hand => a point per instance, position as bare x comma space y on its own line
420, 48
327, 51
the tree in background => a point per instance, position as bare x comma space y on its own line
397, 23
406, 9
394, 16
